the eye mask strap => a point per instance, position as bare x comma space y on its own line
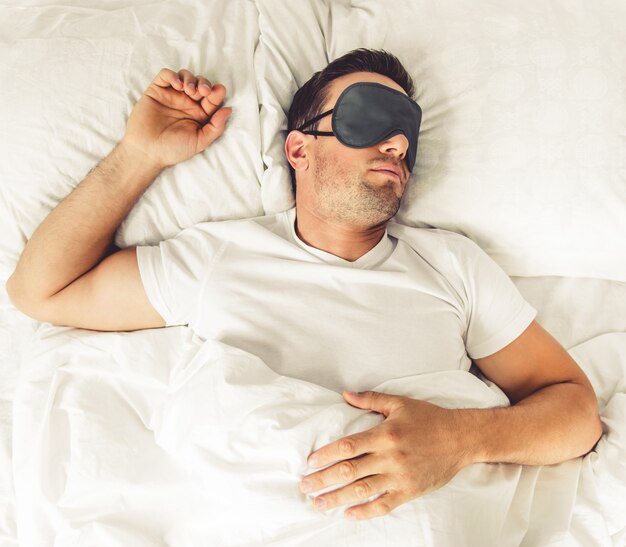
322, 133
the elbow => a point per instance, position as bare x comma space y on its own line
40, 309
595, 426
19, 297
598, 431
12, 290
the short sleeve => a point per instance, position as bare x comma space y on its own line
496, 311
174, 272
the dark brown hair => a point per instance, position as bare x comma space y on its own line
308, 100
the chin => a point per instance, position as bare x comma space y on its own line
375, 212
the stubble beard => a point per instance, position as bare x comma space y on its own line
353, 200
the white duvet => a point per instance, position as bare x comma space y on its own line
149, 438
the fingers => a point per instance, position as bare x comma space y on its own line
211, 102
167, 78
347, 447
200, 89
209, 97
379, 507
357, 492
214, 127
363, 479
196, 87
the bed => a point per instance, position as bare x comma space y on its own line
153, 438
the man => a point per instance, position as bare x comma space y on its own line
328, 292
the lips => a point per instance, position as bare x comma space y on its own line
389, 169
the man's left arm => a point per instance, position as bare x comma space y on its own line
554, 413
420, 446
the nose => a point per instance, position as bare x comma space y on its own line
396, 145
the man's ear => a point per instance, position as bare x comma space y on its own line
296, 150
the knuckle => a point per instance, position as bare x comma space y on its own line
346, 447
362, 490
398, 458
392, 436
382, 508
346, 470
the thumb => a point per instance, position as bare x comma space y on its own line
211, 130
373, 400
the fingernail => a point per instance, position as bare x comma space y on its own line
192, 85
320, 503
306, 486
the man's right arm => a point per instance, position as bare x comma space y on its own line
67, 274
64, 275
110, 297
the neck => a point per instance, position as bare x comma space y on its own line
346, 241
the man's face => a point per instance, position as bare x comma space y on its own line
342, 181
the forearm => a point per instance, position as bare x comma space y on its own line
75, 236
554, 424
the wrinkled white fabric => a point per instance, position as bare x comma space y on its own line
138, 439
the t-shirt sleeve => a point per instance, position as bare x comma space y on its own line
496, 312
174, 271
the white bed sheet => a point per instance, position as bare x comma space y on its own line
142, 438
108, 379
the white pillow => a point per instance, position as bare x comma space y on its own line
291, 48
521, 145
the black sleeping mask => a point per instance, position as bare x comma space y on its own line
367, 113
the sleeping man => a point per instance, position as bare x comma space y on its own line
329, 291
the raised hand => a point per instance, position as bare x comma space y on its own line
178, 116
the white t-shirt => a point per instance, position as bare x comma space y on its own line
421, 300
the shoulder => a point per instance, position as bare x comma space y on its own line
234, 229
438, 244
459, 259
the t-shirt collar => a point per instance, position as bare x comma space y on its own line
375, 255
